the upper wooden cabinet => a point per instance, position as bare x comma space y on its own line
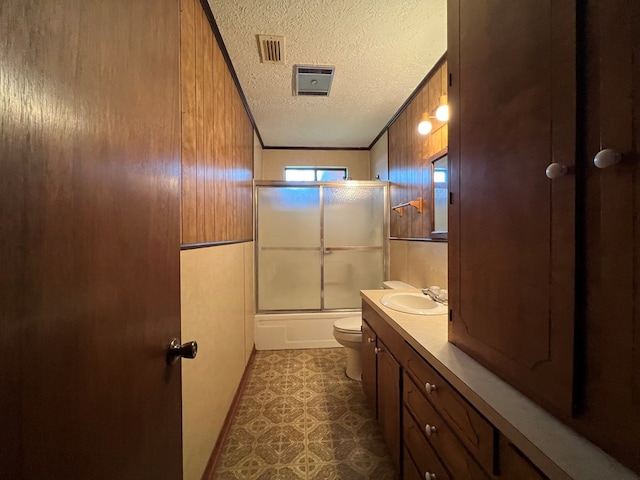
609, 242
544, 274
511, 232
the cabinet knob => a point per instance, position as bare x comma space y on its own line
429, 476
429, 387
429, 429
607, 158
370, 340
555, 170
377, 350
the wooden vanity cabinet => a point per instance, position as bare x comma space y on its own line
369, 370
428, 425
388, 391
513, 464
381, 379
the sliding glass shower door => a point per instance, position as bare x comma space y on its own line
318, 245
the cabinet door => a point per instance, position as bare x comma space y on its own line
511, 236
389, 400
513, 463
368, 359
611, 240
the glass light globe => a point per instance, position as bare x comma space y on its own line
424, 127
442, 113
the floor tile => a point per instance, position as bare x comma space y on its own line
301, 418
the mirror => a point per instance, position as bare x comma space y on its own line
440, 195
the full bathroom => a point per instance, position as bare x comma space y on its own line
309, 239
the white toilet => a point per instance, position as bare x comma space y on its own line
348, 332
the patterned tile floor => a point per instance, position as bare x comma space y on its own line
300, 417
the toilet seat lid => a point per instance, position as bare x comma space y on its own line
349, 324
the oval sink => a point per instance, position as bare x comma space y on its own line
416, 303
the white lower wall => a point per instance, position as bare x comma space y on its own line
217, 312
297, 330
421, 264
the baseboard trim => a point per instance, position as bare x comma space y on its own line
228, 421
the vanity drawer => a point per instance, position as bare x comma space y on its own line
418, 453
441, 437
476, 433
409, 469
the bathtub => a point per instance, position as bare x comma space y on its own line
283, 331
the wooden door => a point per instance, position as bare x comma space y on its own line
610, 245
389, 399
511, 235
368, 358
89, 240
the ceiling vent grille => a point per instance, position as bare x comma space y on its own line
271, 49
312, 80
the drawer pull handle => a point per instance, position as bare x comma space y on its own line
429, 387
430, 429
429, 476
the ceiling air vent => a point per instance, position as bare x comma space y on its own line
312, 80
271, 49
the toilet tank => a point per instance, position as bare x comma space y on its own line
397, 285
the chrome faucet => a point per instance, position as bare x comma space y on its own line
437, 294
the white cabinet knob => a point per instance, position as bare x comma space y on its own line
607, 158
377, 350
371, 340
429, 476
429, 387
429, 429
555, 170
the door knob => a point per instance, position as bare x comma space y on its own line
555, 170
607, 158
176, 351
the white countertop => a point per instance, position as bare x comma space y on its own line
556, 449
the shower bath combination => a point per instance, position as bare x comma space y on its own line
317, 246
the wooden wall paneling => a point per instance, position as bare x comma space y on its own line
424, 171
202, 30
207, 182
207, 163
228, 149
409, 154
392, 150
219, 140
238, 165
249, 173
188, 97
415, 172
403, 176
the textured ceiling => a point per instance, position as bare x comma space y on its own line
381, 49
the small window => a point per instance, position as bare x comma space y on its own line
317, 174
440, 175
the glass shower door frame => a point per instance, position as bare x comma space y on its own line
323, 250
